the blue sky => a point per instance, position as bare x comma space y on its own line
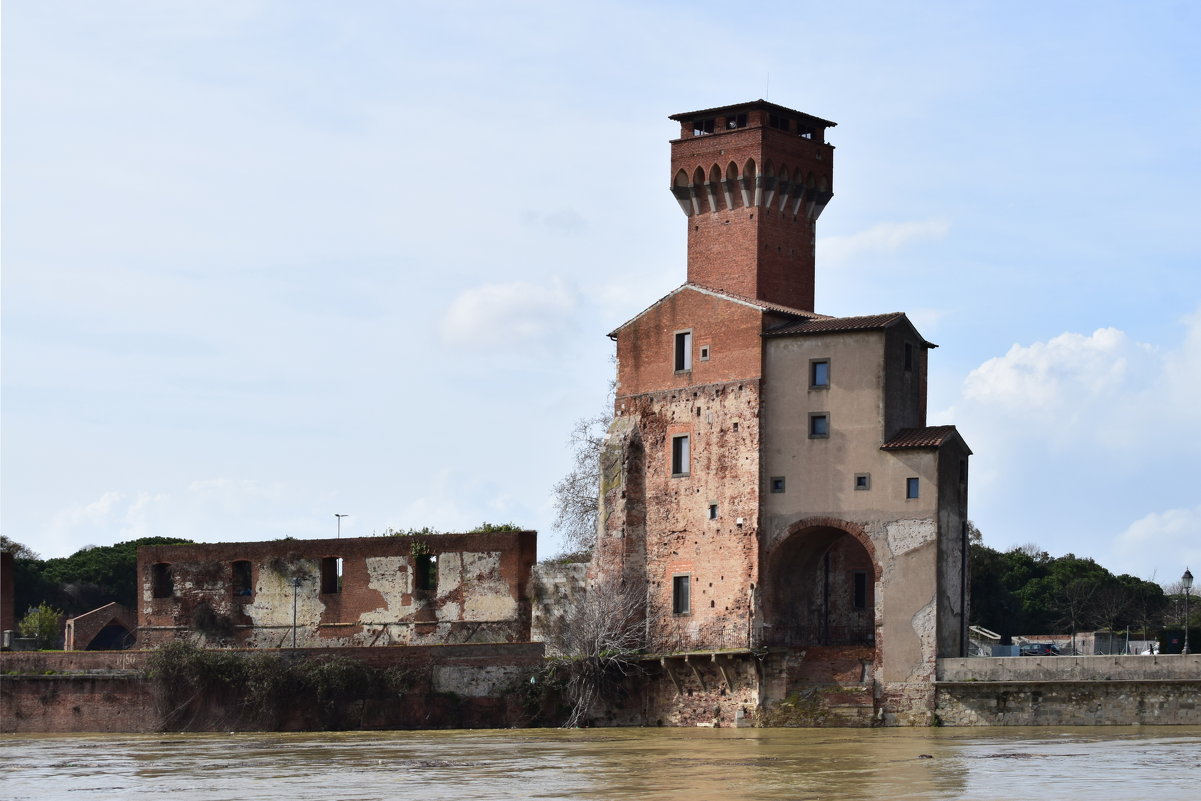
264, 262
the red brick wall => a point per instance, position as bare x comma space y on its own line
646, 347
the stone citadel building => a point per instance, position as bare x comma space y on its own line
769, 480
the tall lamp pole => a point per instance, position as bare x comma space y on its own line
1186, 581
340, 523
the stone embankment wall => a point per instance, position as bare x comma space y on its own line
1070, 691
452, 686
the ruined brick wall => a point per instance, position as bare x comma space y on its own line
117, 623
719, 690
479, 594
553, 589
453, 686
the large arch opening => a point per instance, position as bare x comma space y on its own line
822, 589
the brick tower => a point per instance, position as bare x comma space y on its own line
769, 484
753, 179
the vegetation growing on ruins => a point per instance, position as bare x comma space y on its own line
601, 641
43, 622
261, 688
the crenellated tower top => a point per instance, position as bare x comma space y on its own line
752, 179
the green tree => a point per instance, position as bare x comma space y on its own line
43, 622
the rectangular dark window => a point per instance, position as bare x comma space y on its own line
777, 121
860, 597
702, 127
683, 350
712, 511
736, 121
819, 425
704, 353
242, 573
680, 588
911, 488
425, 569
681, 456
819, 373
863, 481
162, 582
331, 575
777, 483
908, 355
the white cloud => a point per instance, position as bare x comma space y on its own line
1048, 375
885, 237
494, 316
1175, 531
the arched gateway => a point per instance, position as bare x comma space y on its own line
821, 586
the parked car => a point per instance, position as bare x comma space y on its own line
1038, 649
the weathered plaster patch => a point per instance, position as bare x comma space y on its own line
273, 600
909, 535
924, 626
474, 682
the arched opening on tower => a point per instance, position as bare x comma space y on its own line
821, 591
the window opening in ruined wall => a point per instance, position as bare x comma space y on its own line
681, 455
683, 359
162, 582
331, 575
425, 569
242, 574
680, 589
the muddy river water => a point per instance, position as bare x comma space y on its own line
1162, 763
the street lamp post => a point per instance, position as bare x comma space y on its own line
340, 523
1186, 581
295, 592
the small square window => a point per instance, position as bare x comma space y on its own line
681, 455
819, 425
704, 353
777, 483
863, 481
712, 511
683, 351
819, 374
912, 488
680, 590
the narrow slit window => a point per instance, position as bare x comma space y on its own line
860, 590
912, 488
908, 356
680, 589
331, 575
683, 351
242, 578
712, 511
681, 455
163, 583
426, 569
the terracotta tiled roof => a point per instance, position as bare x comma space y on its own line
761, 304
829, 325
927, 437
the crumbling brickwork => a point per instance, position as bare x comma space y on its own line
450, 588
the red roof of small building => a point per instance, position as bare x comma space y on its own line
925, 437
